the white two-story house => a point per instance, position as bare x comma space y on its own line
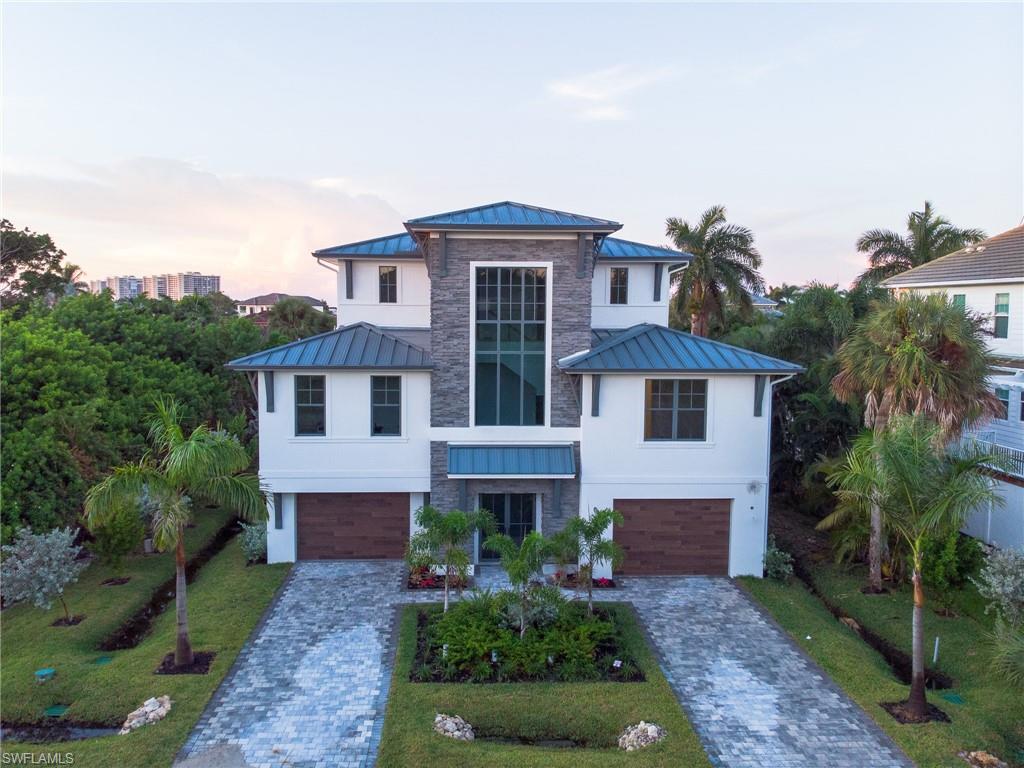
517, 359
988, 279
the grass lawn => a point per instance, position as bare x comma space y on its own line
592, 712
225, 602
992, 714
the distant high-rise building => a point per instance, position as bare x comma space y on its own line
121, 286
177, 285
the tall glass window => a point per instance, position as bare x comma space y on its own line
310, 405
620, 285
511, 315
1002, 324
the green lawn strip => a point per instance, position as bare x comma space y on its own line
864, 675
992, 715
591, 712
225, 603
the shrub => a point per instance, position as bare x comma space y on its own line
119, 535
1002, 582
543, 607
948, 562
1007, 647
254, 541
778, 564
38, 566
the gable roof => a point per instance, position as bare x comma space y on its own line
647, 348
506, 214
390, 245
762, 301
356, 346
614, 248
997, 259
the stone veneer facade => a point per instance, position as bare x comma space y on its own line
450, 327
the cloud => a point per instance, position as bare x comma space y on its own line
151, 215
599, 95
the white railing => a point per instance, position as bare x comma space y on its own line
1013, 457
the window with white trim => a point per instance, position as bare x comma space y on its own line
676, 409
619, 285
1004, 400
310, 406
1002, 317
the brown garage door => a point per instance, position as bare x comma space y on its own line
674, 536
352, 526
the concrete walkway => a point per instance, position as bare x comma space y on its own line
310, 687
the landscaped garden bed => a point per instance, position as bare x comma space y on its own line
101, 689
535, 724
478, 641
425, 577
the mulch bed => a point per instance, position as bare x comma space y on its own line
62, 622
261, 560
201, 662
571, 581
116, 582
899, 711
424, 578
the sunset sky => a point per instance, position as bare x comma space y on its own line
235, 139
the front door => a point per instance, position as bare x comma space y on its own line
513, 513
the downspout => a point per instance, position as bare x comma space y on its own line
768, 458
335, 270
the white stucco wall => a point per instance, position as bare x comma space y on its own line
731, 464
982, 299
347, 458
412, 309
1001, 525
641, 306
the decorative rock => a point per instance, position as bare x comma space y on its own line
982, 759
641, 735
151, 711
454, 727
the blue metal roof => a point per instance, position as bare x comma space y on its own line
509, 214
389, 245
762, 301
359, 346
511, 460
647, 348
616, 248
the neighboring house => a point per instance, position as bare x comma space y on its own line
517, 359
988, 279
263, 303
763, 303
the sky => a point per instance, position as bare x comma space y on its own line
235, 139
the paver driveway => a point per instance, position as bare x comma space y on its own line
309, 689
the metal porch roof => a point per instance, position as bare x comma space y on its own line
647, 348
511, 461
356, 346
389, 245
512, 215
614, 248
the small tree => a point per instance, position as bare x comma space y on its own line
595, 546
38, 566
521, 563
564, 547
442, 540
921, 491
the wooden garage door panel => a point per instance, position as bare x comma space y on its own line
674, 536
352, 526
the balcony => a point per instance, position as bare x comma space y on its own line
1013, 457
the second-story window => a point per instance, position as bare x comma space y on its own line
1004, 403
960, 300
310, 405
1002, 324
385, 405
620, 285
388, 278
511, 354
676, 409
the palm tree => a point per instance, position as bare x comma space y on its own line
922, 491
594, 546
205, 464
918, 354
521, 563
928, 237
71, 279
442, 539
723, 267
